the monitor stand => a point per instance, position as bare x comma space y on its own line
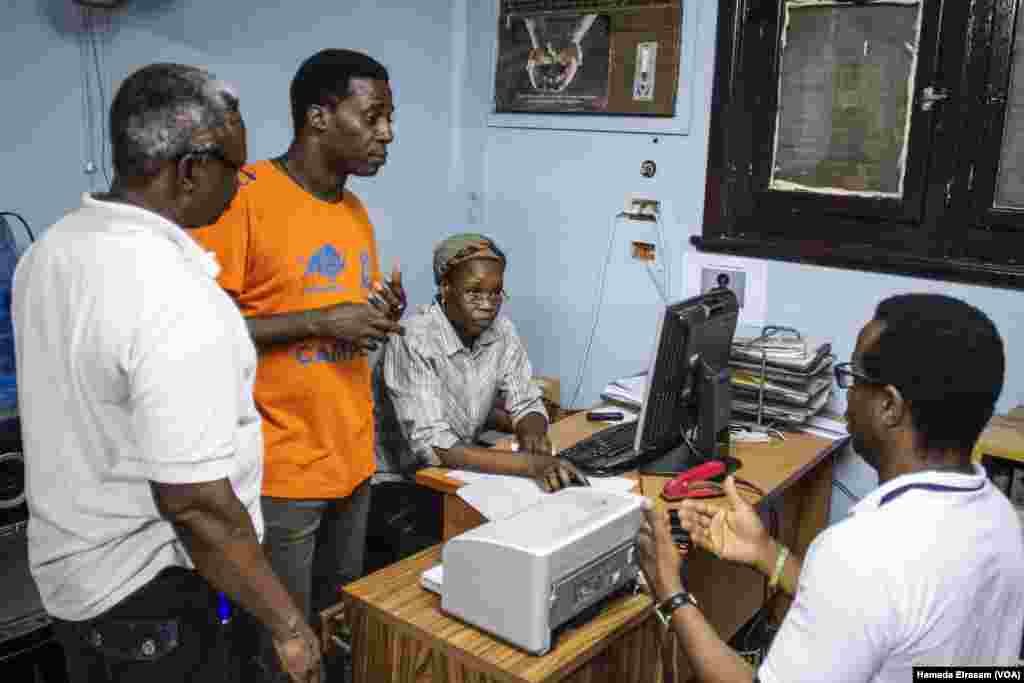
673, 461
682, 458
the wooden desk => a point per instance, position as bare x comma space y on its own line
777, 467
400, 634
1003, 437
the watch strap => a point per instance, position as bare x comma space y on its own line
667, 607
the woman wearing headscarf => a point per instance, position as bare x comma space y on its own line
458, 354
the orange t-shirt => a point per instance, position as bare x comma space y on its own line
281, 250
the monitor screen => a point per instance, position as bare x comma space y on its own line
687, 399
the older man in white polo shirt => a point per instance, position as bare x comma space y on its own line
928, 569
142, 440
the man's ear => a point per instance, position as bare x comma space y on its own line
316, 118
893, 409
233, 121
186, 173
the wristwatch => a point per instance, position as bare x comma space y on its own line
667, 607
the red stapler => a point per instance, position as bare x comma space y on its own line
693, 483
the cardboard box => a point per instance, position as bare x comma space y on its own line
551, 387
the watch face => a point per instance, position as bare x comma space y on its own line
667, 608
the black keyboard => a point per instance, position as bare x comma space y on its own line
607, 451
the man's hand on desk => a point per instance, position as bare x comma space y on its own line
552, 473
732, 531
549, 472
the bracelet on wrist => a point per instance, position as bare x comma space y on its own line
780, 564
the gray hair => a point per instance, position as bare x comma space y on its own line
157, 111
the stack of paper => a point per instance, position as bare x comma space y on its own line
786, 379
825, 424
433, 579
746, 383
795, 355
628, 391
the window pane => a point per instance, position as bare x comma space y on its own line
1010, 181
845, 88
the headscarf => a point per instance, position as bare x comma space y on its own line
463, 247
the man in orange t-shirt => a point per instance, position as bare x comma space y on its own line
298, 255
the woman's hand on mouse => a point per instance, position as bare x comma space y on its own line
553, 474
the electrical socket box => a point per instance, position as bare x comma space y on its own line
639, 206
643, 251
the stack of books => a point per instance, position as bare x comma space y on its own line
779, 380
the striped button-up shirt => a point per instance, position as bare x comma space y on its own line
432, 391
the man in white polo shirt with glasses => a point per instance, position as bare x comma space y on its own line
927, 570
142, 441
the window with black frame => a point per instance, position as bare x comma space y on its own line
876, 134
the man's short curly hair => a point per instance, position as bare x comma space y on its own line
947, 360
324, 79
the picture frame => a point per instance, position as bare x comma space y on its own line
587, 57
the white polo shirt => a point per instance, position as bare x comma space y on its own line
133, 366
928, 570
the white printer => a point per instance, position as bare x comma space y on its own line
522, 576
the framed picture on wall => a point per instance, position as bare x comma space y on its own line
588, 56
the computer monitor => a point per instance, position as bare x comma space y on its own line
688, 400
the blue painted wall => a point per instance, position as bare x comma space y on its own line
258, 50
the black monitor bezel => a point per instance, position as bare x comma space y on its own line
693, 313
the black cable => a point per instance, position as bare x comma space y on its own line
31, 235
102, 41
597, 311
94, 44
89, 135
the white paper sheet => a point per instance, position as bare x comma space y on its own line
496, 499
496, 496
433, 578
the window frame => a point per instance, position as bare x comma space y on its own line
942, 228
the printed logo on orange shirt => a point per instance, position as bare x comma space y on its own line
319, 351
326, 263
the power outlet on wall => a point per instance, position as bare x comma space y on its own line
642, 207
643, 251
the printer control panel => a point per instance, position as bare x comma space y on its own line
589, 584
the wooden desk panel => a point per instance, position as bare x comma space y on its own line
400, 634
1003, 437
